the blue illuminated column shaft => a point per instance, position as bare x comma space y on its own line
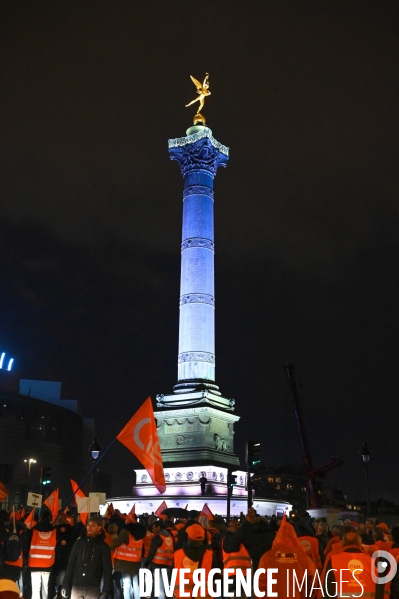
199, 156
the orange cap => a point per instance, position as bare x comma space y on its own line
383, 526
195, 532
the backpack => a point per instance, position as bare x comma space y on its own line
12, 547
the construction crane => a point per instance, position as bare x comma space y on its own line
311, 472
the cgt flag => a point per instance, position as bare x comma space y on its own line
3, 492
207, 512
52, 503
159, 511
30, 520
141, 438
131, 517
79, 493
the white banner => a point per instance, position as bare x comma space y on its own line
102, 497
87, 504
34, 500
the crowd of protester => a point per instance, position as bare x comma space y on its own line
102, 558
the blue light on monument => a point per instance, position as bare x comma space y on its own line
2, 359
10, 363
199, 156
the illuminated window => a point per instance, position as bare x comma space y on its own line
278, 480
270, 480
278, 487
289, 486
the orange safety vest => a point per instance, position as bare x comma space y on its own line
311, 546
147, 542
353, 565
182, 561
164, 554
384, 545
42, 549
237, 560
131, 552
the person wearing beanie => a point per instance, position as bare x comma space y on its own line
192, 556
89, 562
9, 589
182, 537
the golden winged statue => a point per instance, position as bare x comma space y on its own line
202, 91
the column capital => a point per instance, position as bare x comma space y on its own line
198, 151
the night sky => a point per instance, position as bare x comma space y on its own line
305, 94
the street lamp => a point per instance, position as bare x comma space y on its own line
95, 449
366, 454
30, 462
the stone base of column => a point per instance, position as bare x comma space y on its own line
199, 430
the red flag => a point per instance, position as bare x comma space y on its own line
29, 522
159, 511
141, 438
131, 517
52, 503
3, 492
109, 511
23, 512
79, 493
207, 512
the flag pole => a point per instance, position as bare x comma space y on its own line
82, 482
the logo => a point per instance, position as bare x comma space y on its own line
189, 564
306, 545
45, 535
355, 565
168, 541
386, 564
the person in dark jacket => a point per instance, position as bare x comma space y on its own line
307, 537
12, 570
117, 519
89, 561
256, 536
66, 536
218, 530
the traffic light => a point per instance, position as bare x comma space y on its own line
231, 479
46, 479
252, 456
